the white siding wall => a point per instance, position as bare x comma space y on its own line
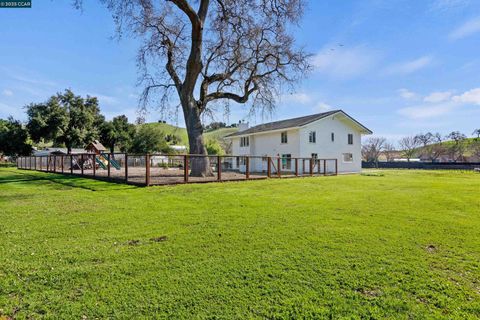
326, 149
269, 144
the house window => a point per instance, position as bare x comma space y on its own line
284, 137
314, 156
332, 136
347, 157
286, 161
312, 137
350, 138
244, 141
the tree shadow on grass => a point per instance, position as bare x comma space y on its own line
39, 179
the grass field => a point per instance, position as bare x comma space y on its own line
398, 245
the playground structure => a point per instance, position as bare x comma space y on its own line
162, 169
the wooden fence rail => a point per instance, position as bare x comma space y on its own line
162, 169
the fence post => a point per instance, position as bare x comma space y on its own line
108, 164
247, 167
126, 167
219, 168
94, 164
269, 167
185, 168
296, 167
55, 164
147, 167
336, 167
279, 172
81, 164
311, 166
71, 164
324, 167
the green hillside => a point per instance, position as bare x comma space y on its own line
215, 135
468, 145
220, 133
166, 128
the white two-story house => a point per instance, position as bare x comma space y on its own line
328, 135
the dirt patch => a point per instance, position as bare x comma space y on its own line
369, 293
133, 242
159, 239
431, 248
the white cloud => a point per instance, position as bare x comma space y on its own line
343, 63
322, 107
300, 97
104, 99
467, 29
447, 5
410, 66
427, 111
7, 93
441, 104
471, 96
407, 94
436, 97
32, 79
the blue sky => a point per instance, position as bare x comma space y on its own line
399, 67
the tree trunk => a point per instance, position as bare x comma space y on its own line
200, 166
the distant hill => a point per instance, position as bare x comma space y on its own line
166, 128
217, 135
468, 143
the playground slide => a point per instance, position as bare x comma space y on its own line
103, 162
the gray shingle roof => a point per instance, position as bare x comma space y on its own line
284, 124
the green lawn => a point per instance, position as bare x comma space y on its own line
400, 244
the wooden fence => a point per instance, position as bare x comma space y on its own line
164, 169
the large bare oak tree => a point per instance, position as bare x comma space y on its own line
211, 52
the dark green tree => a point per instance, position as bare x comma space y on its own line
117, 133
65, 119
149, 139
14, 139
